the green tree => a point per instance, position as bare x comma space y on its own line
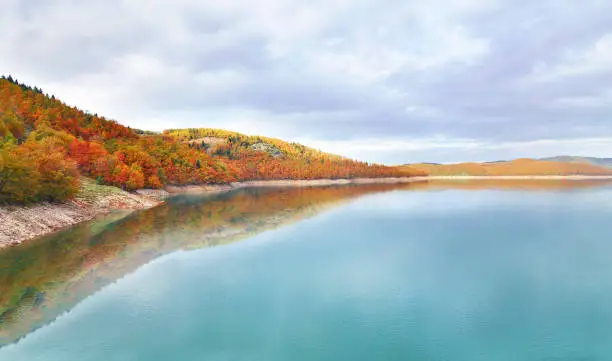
19, 176
10, 125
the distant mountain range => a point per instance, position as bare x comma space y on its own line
562, 166
603, 162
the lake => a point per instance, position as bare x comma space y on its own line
461, 271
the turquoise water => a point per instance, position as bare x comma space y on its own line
401, 275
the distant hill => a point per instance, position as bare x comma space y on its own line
518, 167
604, 162
258, 157
234, 145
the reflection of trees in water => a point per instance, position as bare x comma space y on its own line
42, 279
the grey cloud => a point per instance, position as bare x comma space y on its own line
487, 101
76, 39
461, 69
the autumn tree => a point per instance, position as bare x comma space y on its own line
19, 177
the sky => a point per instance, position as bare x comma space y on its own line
386, 81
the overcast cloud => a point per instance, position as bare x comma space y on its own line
388, 81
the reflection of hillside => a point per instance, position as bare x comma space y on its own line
42, 279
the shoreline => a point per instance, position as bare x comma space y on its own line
23, 223
19, 224
220, 188
518, 177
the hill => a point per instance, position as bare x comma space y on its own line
263, 158
46, 145
518, 167
604, 162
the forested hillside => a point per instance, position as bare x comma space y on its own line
258, 158
46, 145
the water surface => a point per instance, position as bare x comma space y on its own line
336, 273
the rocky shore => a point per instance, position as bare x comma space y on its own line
21, 223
